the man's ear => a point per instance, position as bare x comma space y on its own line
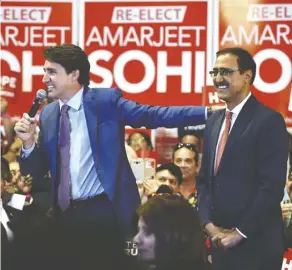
75, 75
248, 75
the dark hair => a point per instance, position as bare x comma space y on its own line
173, 169
144, 135
178, 232
196, 133
70, 57
5, 170
189, 146
245, 60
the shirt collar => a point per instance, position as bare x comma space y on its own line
236, 110
75, 102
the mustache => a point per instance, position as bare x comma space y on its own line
222, 83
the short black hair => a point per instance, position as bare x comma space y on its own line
196, 133
70, 57
245, 60
173, 169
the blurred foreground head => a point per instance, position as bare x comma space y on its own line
170, 233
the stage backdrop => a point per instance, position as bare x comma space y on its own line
26, 28
263, 27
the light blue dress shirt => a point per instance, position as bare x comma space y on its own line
84, 180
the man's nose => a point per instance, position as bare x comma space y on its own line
218, 78
46, 78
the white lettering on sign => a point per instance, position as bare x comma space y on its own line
258, 35
159, 70
148, 14
39, 15
7, 81
287, 265
269, 12
33, 36
170, 36
213, 97
285, 77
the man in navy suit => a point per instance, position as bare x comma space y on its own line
101, 185
243, 171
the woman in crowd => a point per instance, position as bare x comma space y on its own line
142, 145
170, 235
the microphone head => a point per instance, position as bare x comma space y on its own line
41, 94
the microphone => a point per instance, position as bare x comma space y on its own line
40, 96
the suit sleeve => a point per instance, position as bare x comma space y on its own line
137, 115
204, 184
272, 155
37, 163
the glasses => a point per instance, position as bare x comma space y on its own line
224, 72
187, 145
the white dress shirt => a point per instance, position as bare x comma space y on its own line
84, 180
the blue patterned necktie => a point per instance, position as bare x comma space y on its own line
64, 155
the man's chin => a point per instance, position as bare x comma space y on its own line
222, 96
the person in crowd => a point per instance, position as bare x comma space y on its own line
194, 137
166, 174
170, 235
7, 132
81, 142
142, 145
243, 174
186, 157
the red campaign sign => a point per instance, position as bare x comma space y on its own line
26, 28
265, 30
154, 51
287, 260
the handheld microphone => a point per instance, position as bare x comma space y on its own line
40, 96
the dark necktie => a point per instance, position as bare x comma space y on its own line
223, 140
64, 154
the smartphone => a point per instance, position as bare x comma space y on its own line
143, 168
149, 168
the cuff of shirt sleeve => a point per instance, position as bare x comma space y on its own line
243, 235
26, 152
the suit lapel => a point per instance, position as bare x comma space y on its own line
241, 123
214, 137
90, 110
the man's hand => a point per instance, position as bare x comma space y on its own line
218, 107
150, 186
227, 239
212, 229
25, 129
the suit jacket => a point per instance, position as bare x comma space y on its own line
107, 113
247, 190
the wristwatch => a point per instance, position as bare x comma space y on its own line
209, 111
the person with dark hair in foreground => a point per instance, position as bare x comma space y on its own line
81, 142
170, 235
243, 172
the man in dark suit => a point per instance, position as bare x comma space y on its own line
243, 171
81, 142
